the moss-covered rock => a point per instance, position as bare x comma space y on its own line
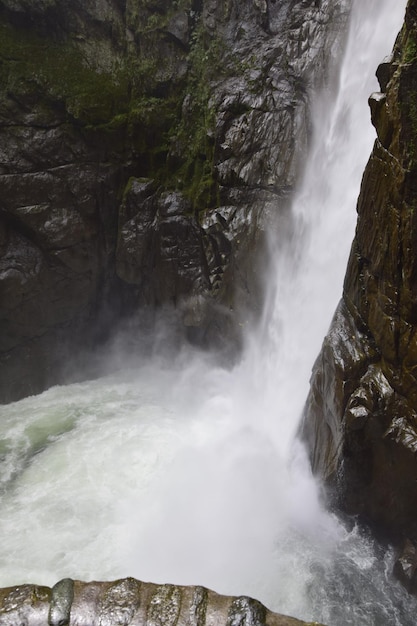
208, 100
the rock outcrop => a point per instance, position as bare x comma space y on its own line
128, 602
142, 144
361, 416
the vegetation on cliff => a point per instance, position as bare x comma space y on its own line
143, 142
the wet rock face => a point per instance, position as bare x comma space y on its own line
361, 415
129, 602
142, 146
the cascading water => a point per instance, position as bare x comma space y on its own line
188, 473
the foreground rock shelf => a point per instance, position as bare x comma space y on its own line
129, 602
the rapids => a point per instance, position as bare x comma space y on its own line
180, 470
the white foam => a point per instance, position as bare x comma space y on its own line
190, 473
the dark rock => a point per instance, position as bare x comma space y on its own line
62, 596
360, 419
144, 146
405, 567
178, 27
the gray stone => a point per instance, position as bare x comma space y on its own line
129, 602
62, 595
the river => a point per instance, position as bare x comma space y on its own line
180, 470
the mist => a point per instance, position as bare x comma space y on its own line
174, 466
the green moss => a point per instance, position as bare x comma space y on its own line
194, 136
126, 106
197, 183
151, 111
58, 72
147, 17
411, 110
118, 103
409, 47
143, 76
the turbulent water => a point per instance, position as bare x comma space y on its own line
182, 471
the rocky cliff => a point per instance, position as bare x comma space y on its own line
129, 602
142, 145
361, 416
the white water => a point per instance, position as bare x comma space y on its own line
185, 472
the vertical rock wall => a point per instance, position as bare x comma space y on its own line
361, 416
142, 144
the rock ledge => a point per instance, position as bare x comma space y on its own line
129, 602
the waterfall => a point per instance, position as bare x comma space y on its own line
186, 472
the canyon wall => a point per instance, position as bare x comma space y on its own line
145, 147
360, 419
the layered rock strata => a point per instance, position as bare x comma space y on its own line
361, 415
142, 144
128, 602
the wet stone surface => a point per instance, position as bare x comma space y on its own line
203, 109
129, 602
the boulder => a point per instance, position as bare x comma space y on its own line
129, 602
143, 149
